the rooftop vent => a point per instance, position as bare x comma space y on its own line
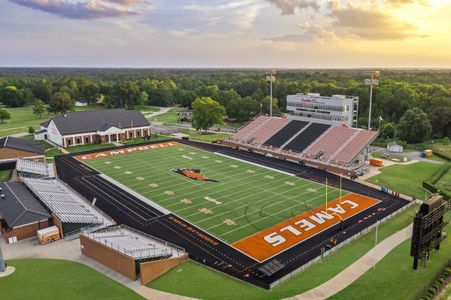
2, 195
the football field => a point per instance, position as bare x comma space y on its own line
226, 197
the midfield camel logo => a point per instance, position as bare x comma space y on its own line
194, 174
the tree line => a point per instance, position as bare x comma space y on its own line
242, 93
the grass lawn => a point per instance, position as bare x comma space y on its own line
49, 279
392, 157
21, 119
146, 109
394, 273
444, 149
209, 137
253, 197
191, 279
406, 179
89, 147
168, 117
140, 140
444, 183
5, 175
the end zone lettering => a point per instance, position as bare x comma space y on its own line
269, 242
310, 223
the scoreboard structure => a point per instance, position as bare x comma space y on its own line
428, 227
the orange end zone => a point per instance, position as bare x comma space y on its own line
124, 151
271, 241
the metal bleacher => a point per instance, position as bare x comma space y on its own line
133, 243
307, 137
32, 167
62, 202
285, 133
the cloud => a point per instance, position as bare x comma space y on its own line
370, 24
85, 10
405, 2
310, 33
289, 7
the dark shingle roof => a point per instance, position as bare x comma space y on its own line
19, 207
98, 120
20, 144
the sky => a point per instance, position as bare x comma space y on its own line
226, 34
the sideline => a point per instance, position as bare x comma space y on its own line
358, 268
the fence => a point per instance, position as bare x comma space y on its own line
345, 242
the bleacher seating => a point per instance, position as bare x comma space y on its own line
134, 244
308, 136
325, 147
62, 202
285, 133
247, 130
354, 147
32, 167
300, 140
270, 128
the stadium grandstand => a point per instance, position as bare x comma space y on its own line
71, 213
333, 145
130, 252
34, 168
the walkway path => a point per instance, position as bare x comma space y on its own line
358, 268
70, 250
161, 111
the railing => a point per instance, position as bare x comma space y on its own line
345, 242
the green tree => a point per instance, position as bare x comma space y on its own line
206, 113
387, 131
275, 105
61, 102
4, 115
414, 126
242, 109
39, 108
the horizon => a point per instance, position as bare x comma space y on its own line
220, 34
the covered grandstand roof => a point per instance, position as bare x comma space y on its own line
64, 203
21, 144
133, 243
98, 120
18, 206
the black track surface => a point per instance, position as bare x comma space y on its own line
127, 209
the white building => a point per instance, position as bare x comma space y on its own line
337, 109
94, 126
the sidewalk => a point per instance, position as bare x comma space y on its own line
70, 250
358, 268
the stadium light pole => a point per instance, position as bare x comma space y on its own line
271, 77
371, 81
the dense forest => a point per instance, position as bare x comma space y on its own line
414, 104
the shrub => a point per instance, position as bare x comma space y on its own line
31, 129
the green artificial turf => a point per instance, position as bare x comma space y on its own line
253, 197
406, 179
194, 280
395, 274
49, 279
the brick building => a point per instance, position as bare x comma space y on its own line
93, 127
11, 148
21, 215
